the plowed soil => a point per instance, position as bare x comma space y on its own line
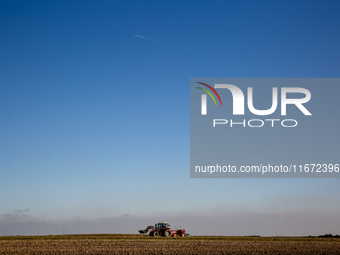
190, 245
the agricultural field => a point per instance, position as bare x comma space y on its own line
140, 244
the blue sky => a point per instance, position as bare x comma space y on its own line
90, 131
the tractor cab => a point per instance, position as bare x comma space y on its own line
162, 225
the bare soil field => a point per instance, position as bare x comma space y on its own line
134, 244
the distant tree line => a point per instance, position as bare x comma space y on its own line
329, 236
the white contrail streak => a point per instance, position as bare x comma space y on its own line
146, 38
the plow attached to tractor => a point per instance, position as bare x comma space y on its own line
163, 229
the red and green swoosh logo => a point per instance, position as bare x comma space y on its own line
209, 93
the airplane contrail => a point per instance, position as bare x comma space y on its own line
146, 38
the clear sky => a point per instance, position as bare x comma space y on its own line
91, 142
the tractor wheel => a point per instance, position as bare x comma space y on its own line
151, 233
156, 234
167, 233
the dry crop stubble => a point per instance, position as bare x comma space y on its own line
135, 244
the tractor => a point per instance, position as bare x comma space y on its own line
163, 229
